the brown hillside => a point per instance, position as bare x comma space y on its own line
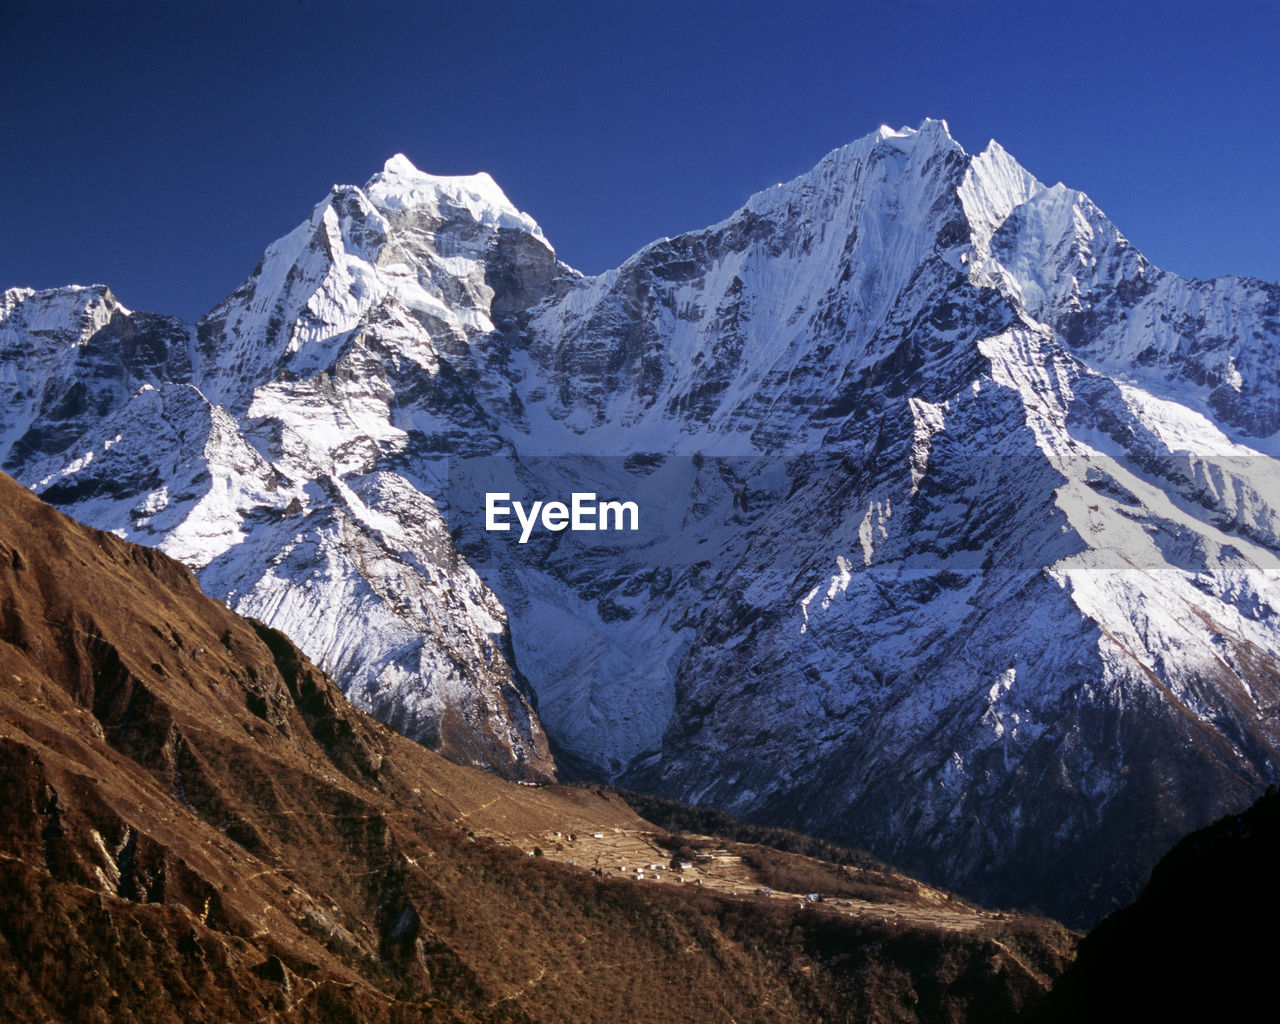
198, 827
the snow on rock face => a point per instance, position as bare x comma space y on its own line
798, 293
960, 519
69, 356
254, 447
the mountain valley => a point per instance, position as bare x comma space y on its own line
199, 827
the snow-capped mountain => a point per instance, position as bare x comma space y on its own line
960, 520
270, 446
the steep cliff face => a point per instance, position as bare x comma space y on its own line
959, 521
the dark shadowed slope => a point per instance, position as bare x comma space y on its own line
1202, 941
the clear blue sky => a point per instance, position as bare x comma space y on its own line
159, 147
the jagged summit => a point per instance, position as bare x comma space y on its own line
400, 165
53, 301
933, 134
401, 186
933, 131
845, 166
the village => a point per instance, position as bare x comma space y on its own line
595, 831
652, 858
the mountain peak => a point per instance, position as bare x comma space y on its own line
935, 126
930, 127
402, 186
400, 166
994, 185
932, 131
